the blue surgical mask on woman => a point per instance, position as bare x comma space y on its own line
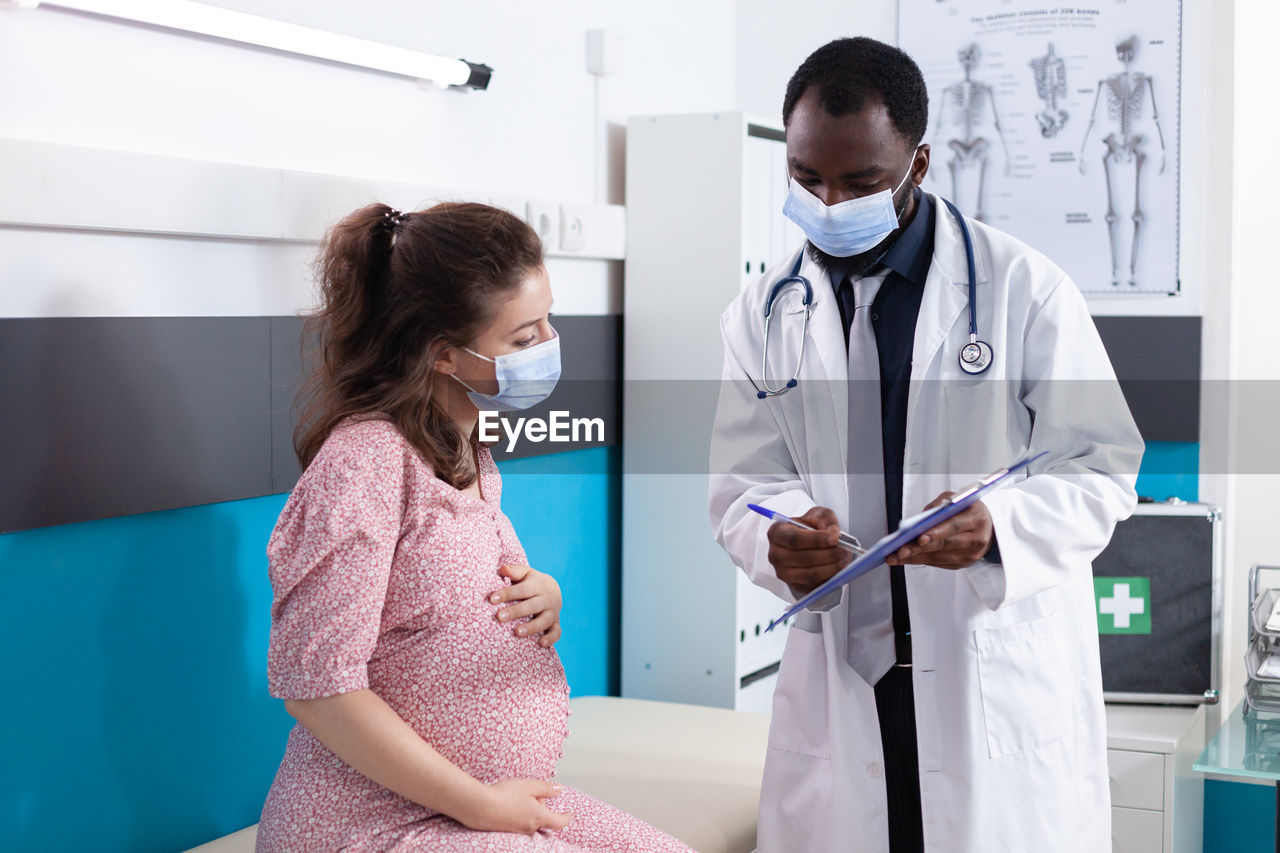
525, 377
848, 228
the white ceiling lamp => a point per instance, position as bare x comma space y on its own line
215, 22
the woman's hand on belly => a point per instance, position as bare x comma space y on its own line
515, 805
365, 732
537, 595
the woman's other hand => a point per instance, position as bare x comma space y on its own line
515, 805
537, 595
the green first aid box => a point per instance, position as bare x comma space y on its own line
1155, 589
1123, 605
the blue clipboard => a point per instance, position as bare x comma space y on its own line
907, 531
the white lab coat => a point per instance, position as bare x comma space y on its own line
1008, 690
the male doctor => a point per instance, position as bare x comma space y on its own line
951, 701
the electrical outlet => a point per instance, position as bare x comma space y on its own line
573, 226
545, 219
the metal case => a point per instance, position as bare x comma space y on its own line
1177, 549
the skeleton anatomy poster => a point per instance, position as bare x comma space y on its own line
1059, 124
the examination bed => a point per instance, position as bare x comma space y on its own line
691, 771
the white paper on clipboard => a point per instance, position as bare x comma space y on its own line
908, 531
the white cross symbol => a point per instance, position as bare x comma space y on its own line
1120, 606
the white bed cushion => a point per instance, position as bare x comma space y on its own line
237, 842
691, 771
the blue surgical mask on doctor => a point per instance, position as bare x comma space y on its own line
525, 377
848, 228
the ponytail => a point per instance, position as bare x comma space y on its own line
396, 289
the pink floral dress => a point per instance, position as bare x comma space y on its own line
381, 573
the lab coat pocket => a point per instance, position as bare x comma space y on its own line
1026, 683
800, 698
797, 803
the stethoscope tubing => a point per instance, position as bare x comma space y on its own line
794, 278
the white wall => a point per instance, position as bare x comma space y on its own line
1254, 302
773, 38
1207, 194
94, 82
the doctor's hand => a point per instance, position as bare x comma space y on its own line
956, 543
804, 559
538, 596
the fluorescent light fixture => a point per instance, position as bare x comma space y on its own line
214, 22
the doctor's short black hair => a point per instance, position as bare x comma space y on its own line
850, 71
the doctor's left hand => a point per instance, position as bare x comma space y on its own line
537, 595
956, 543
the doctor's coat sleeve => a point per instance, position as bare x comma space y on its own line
751, 462
1055, 521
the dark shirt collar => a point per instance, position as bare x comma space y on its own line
911, 253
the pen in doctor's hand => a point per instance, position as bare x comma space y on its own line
846, 541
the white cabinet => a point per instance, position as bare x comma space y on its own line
704, 202
1136, 831
1157, 801
1137, 779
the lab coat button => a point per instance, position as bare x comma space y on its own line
875, 770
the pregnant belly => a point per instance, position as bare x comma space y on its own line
494, 704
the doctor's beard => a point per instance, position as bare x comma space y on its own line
855, 265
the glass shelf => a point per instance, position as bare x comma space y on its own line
1247, 745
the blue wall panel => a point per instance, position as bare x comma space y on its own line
1238, 817
566, 509
137, 716
1171, 469
140, 719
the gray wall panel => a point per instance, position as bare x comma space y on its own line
1157, 360
115, 416
286, 378
103, 417
590, 384
591, 355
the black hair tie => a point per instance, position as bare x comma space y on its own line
391, 220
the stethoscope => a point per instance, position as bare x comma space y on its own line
975, 356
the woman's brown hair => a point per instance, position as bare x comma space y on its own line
397, 289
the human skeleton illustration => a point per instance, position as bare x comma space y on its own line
967, 102
1051, 84
1125, 94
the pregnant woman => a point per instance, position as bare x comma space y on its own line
408, 636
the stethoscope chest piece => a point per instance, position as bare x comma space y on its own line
975, 356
